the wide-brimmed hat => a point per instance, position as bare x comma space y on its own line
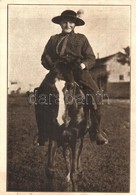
68, 14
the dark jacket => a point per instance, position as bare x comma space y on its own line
77, 47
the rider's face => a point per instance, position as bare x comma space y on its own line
67, 25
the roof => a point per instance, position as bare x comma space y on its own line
102, 61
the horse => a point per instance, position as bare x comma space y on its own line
69, 124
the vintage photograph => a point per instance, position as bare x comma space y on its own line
68, 98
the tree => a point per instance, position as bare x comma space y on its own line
124, 57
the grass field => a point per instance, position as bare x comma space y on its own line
105, 168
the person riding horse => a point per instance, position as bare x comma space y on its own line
70, 47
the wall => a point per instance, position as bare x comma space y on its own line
116, 69
118, 90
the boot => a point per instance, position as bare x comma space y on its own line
39, 140
101, 138
96, 133
93, 106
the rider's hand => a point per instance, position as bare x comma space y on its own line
82, 65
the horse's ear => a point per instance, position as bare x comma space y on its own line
68, 75
76, 65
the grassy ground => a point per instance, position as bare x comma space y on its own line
105, 168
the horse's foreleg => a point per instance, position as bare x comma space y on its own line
76, 151
68, 159
51, 158
79, 167
67, 156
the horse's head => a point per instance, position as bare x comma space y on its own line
65, 70
70, 93
74, 101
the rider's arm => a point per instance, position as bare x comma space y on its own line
46, 59
88, 55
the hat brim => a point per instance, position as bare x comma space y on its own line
77, 21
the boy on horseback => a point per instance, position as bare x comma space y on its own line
71, 47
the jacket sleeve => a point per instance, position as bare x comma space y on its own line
47, 58
88, 55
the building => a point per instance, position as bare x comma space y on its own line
16, 87
112, 74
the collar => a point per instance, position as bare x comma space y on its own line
63, 34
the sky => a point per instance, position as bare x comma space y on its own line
29, 28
